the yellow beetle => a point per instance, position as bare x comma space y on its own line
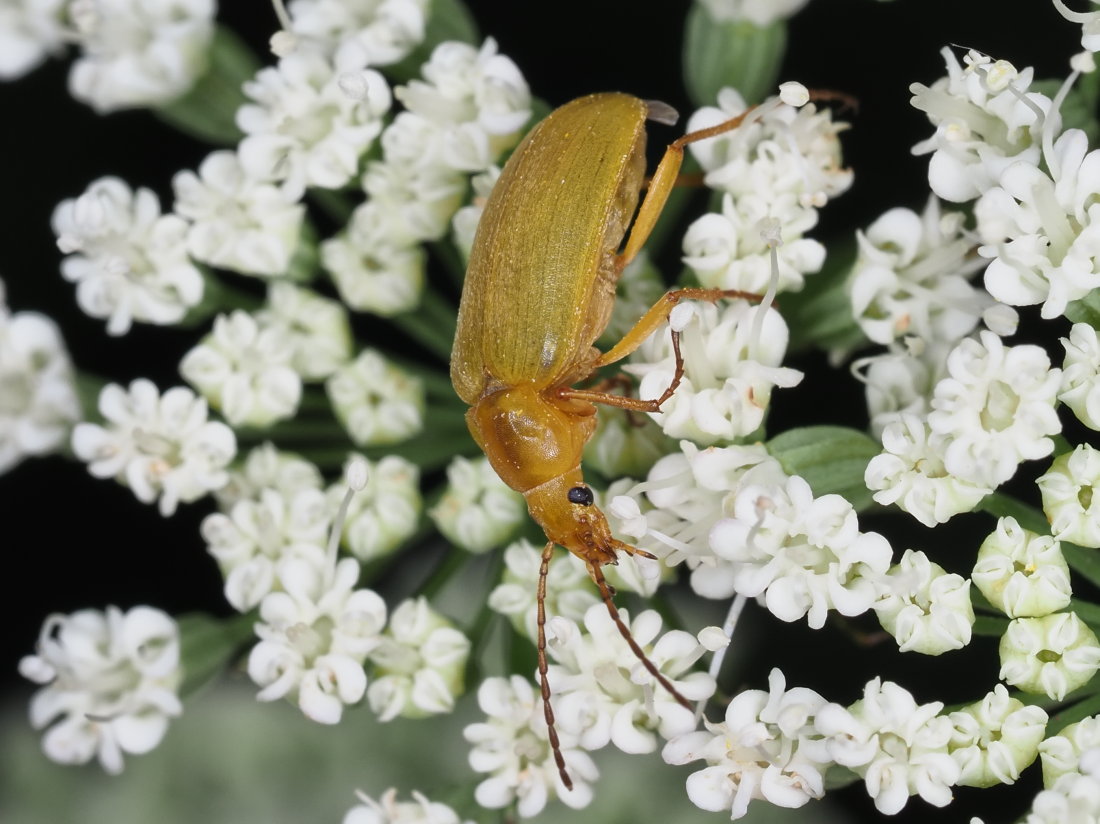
539, 290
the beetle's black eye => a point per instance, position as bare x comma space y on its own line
581, 495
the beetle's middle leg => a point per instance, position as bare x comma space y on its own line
656, 317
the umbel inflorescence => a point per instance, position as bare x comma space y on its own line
362, 155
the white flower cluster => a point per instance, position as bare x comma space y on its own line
161, 446
743, 526
477, 511
132, 53
38, 400
419, 663
778, 744
732, 356
780, 167
602, 694
129, 261
109, 683
758, 12
458, 120
361, 33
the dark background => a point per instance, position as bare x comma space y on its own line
70, 541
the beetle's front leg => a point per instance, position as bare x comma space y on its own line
646, 326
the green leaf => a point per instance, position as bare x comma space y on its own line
1086, 310
731, 53
1086, 611
209, 110
447, 20
207, 644
1085, 562
832, 459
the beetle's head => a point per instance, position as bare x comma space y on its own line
566, 511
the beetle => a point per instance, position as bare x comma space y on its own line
539, 290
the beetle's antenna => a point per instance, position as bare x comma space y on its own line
547, 710
606, 592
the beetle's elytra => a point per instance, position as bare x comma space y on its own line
539, 290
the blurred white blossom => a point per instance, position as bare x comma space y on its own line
243, 367
478, 511
362, 32
109, 683
161, 446
1081, 374
388, 810
386, 512
237, 222
420, 662
1021, 573
376, 401
1052, 655
38, 400
137, 53
758, 12
129, 261
30, 31
316, 327
994, 739
924, 607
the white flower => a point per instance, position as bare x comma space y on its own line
465, 85
982, 125
1073, 799
243, 367
924, 607
38, 400
755, 752
376, 401
266, 467
161, 446
911, 277
315, 637
30, 31
139, 53
1061, 753
110, 681
512, 746
899, 747
901, 379
1021, 573
995, 738
569, 592
316, 327
359, 33
130, 261
910, 472
372, 271
237, 222
784, 155
604, 693
1081, 374
478, 511
419, 663
726, 249
1041, 230
388, 810
1052, 655
384, 513
1070, 499
800, 554
732, 361
758, 12
303, 128
995, 409
258, 534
